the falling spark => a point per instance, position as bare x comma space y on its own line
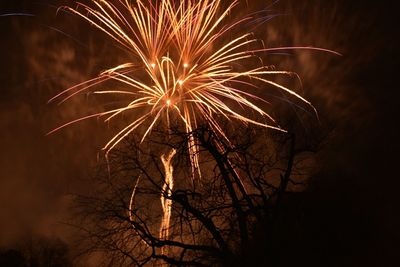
16, 15
166, 193
132, 200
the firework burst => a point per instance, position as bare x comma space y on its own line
194, 70
188, 63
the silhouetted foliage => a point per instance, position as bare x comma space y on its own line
37, 252
12, 258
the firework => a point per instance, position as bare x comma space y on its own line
183, 50
188, 53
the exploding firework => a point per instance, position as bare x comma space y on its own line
190, 68
188, 60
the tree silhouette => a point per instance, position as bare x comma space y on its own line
37, 252
216, 219
12, 257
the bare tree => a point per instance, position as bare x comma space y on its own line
213, 219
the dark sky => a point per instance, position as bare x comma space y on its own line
353, 201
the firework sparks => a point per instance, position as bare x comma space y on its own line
187, 62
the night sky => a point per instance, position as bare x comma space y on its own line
351, 216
